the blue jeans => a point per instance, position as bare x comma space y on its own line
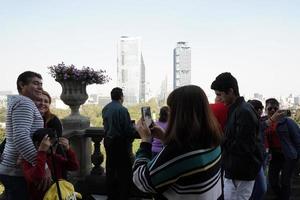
15, 187
260, 186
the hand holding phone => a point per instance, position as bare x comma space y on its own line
146, 115
144, 131
286, 113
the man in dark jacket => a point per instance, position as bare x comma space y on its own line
119, 132
242, 149
260, 185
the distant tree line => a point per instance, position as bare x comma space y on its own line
94, 113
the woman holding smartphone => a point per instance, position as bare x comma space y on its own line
189, 165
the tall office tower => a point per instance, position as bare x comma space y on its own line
162, 97
181, 65
131, 69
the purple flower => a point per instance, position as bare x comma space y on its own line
86, 75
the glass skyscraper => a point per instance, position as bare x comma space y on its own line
131, 69
181, 65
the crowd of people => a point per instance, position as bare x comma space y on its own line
222, 150
196, 150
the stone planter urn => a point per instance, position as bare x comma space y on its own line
73, 82
74, 95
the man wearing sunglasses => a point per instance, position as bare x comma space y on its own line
283, 138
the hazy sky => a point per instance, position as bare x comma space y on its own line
258, 41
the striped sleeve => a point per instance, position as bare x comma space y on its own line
141, 175
186, 169
22, 121
192, 164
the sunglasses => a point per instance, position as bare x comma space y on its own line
272, 108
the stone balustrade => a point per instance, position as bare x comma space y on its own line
91, 181
94, 181
97, 135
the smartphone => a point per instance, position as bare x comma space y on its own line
287, 113
146, 115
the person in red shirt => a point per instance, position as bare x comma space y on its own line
220, 111
44, 139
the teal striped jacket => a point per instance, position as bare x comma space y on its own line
179, 173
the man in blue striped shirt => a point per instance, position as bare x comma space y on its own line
22, 119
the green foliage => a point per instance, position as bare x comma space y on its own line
136, 145
93, 112
2, 134
135, 111
2, 114
297, 116
61, 113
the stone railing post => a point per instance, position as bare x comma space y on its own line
97, 156
83, 149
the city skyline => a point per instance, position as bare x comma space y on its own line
130, 64
257, 41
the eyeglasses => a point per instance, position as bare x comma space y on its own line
272, 108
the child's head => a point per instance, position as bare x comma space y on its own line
39, 134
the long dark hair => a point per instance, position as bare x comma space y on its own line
163, 114
191, 122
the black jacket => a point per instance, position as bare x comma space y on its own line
242, 148
55, 124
